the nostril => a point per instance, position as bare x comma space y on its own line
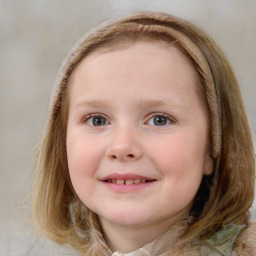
128, 156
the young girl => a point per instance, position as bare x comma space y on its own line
147, 149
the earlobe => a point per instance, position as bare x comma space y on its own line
208, 164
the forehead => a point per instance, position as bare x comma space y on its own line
149, 50
143, 64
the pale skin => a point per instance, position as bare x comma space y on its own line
136, 117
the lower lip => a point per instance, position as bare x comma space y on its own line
123, 188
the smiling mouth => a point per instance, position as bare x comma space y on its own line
128, 181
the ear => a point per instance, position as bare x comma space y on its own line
208, 164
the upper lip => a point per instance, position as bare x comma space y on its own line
126, 176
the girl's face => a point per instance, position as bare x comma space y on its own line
137, 134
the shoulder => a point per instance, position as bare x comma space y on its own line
246, 242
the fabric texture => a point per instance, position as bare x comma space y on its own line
232, 240
221, 243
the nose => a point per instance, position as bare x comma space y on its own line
124, 146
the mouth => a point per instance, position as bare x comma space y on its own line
127, 181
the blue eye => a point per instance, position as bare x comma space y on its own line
97, 121
159, 120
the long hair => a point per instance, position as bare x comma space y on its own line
224, 197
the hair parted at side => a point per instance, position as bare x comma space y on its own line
224, 197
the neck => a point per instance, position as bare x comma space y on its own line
127, 238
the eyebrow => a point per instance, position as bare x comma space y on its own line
91, 103
140, 104
156, 103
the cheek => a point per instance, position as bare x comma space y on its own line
83, 156
83, 159
179, 155
180, 160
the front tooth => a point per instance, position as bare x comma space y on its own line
109, 181
128, 182
142, 181
119, 181
137, 181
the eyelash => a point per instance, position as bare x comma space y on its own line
88, 117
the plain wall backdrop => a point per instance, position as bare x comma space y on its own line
36, 35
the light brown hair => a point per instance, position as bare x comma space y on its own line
224, 197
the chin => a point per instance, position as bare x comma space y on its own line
124, 218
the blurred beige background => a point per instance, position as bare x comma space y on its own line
36, 35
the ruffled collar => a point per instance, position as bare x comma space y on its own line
220, 244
